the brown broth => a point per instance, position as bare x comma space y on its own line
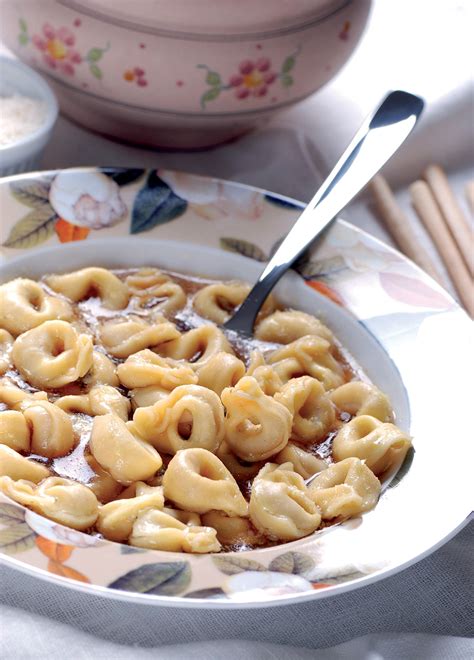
89, 313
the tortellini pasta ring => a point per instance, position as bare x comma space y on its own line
52, 433
121, 453
209, 484
52, 354
16, 466
62, 500
218, 301
310, 356
382, 446
304, 463
359, 398
197, 346
160, 531
6, 345
280, 506
190, 416
90, 282
285, 327
346, 488
100, 400
312, 410
220, 371
256, 425
146, 368
122, 337
14, 430
116, 518
24, 305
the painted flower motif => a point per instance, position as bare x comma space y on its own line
253, 78
212, 199
47, 529
259, 585
87, 199
57, 48
136, 75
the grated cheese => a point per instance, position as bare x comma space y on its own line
19, 116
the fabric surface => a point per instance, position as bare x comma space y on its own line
424, 612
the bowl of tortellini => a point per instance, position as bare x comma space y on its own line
183, 464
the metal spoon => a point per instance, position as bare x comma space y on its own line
376, 141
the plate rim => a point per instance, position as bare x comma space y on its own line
202, 603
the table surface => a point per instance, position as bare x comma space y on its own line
431, 598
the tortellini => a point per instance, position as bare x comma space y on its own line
190, 416
146, 368
91, 282
52, 433
52, 354
24, 305
209, 484
144, 280
382, 446
256, 425
233, 530
6, 345
265, 375
14, 430
16, 398
116, 518
280, 505
100, 400
122, 337
304, 463
358, 398
217, 302
102, 484
175, 435
124, 455
156, 291
197, 346
238, 468
311, 408
309, 356
165, 298
16, 466
147, 396
285, 327
102, 372
159, 531
63, 500
220, 371
347, 488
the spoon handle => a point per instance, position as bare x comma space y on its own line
376, 141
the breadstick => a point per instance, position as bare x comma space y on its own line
429, 213
452, 213
399, 226
470, 194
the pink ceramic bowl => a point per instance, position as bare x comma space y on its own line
184, 75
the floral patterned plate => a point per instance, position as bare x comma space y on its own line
408, 333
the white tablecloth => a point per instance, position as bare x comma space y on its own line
424, 612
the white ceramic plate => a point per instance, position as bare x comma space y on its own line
409, 335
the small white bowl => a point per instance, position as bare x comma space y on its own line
24, 155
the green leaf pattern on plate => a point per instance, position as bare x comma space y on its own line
33, 192
155, 204
231, 565
245, 248
33, 229
15, 535
296, 563
164, 579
